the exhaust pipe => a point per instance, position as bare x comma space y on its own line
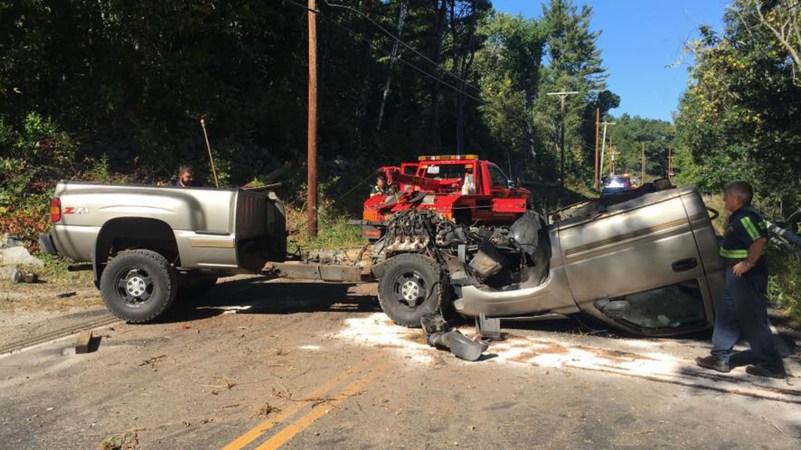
440, 335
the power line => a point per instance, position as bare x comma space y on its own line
400, 41
356, 35
415, 67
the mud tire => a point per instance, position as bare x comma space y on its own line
138, 286
410, 288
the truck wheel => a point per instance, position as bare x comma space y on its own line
138, 286
410, 288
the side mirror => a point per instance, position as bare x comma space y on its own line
511, 184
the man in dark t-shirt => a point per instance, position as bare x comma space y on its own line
186, 176
742, 311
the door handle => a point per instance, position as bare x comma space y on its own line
684, 264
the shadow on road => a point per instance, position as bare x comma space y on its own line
257, 296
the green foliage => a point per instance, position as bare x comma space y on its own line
101, 171
740, 118
510, 62
38, 152
574, 64
784, 287
114, 91
333, 229
628, 136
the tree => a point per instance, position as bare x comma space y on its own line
740, 117
574, 63
630, 134
783, 19
510, 64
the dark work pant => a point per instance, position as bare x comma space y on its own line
743, 313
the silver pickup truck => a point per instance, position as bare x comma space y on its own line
146, 243
645, 261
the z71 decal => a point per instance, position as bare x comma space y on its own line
76, 210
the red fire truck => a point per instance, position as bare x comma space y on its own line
461, 188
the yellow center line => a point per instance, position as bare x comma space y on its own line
304, 422
265, 426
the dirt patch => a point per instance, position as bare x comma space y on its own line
77, 291
550, 347
25, 305
525, 357
615, 356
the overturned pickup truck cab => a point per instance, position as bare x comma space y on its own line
645, 262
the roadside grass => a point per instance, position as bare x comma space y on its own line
56, 289
334, 232
784, 287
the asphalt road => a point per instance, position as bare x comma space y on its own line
308, 365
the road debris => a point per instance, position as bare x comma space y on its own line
124, 441
152, 360
26, 277
439, 334
265, 410
84, 343
216, 388
67, 294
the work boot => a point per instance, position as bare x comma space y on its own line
714, 363
767, 372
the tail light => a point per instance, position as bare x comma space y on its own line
371, 233
55, 209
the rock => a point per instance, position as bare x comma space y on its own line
18, 256
8, 273
7, 241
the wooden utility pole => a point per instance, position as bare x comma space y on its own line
642, 165
670, 163
597, 130
311, 145
603, 147
611, 157
562, 95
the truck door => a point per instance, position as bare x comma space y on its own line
505, 205
639, 266
499, 183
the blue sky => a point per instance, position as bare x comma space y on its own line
640, 43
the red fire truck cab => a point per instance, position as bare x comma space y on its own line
461, 188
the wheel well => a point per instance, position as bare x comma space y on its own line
121, 234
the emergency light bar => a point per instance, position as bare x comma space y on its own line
446, 157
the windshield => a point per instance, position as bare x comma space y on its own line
617, 182
445, 171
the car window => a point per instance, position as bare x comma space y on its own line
447, 171
497, 177
676, 306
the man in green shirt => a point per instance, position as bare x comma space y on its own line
742, 311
